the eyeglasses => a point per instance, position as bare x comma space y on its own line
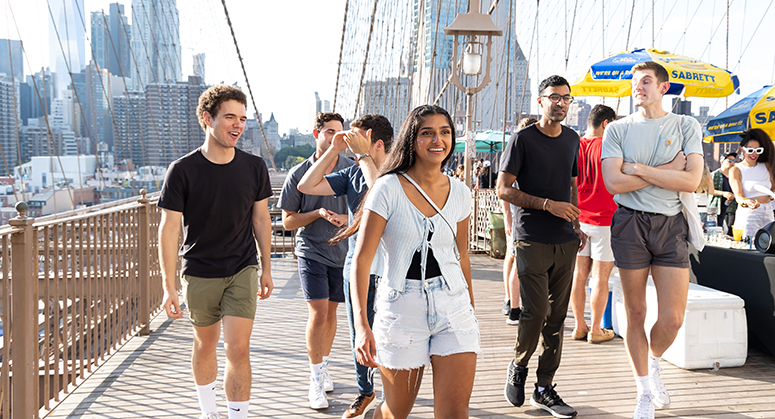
554, 97
751, 150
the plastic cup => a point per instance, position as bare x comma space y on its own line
737, 233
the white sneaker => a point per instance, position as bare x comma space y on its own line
328, 383
658, 391
644, 407
317, 397
212, 415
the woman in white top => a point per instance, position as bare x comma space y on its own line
424, 304
752, 182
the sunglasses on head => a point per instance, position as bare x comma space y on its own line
751, 150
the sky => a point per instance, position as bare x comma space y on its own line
291, 47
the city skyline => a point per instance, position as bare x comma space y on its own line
285, 73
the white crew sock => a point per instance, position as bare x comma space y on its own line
316, 369
238, 410
643, 385
206, 396
654, 361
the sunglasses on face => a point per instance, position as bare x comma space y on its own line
751, 150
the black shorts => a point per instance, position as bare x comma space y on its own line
320, 281
640, 239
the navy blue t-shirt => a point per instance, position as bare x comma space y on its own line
351, 182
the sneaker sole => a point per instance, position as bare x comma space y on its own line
546, 408
366, 410
512, 322
328, 390
659, 404
325, 406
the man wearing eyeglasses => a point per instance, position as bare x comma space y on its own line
543, 159
723, 198
648, 230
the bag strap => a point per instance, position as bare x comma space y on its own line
435, 207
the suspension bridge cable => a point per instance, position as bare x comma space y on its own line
753, 35
366, 58
247, 82
341, 48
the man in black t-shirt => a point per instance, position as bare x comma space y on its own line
220, 194
543, 159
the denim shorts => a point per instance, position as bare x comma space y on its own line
423, 320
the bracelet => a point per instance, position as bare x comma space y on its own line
545, 201
362, 156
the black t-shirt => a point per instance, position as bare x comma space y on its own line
217, 204
485, 180
544, 167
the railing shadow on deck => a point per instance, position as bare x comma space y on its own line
76, 286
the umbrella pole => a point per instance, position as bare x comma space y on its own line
470, 144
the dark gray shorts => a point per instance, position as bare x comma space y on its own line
640, 239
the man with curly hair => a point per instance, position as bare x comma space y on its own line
219, 193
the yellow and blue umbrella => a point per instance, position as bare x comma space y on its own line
756, 110
688, 77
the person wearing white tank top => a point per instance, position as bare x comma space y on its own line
751, 181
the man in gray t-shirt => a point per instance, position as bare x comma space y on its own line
318, 218
650, 157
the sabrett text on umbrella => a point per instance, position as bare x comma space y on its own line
690, 75
763, 118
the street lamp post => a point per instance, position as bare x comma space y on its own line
468, 28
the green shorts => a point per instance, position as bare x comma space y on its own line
209, 299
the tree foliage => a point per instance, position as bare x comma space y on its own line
303, 151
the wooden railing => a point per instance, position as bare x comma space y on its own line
76, 286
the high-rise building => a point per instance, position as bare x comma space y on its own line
131, 112
199, 65
119, 39
99, 39
36, 95
682, 106
67, 45
8, 125
156, 41
11, 56
96, 103
171, 127
62, 115
433, 55
390, 98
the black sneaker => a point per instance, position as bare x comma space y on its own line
506, 308
515, 384
514, 315
549, 400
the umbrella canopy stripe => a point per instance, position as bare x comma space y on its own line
611, 77
756, 110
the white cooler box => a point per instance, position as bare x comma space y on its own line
714, 331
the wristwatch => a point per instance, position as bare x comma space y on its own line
362, 156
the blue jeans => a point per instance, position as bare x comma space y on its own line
364, 375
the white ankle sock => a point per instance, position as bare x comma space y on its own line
541, 389
654, 361
238, 410
206, 396
316, 369
643, 385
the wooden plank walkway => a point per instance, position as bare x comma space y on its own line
150, 376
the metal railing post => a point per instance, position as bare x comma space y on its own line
145, 265
24, 308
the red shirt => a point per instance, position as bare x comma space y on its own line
596, 204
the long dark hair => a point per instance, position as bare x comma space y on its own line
401, 157
768, 157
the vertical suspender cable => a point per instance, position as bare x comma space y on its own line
341, 48
365, 59
250, 91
